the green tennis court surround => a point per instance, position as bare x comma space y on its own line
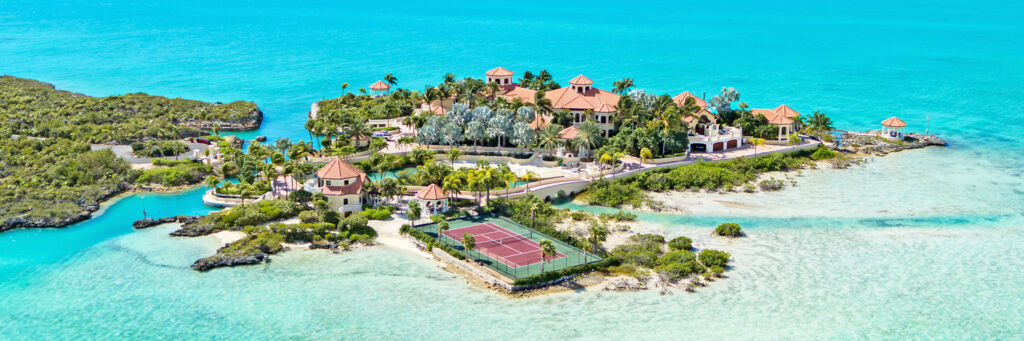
514, 259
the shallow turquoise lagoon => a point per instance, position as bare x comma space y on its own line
918, 245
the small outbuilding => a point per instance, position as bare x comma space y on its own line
894, 127
433, 198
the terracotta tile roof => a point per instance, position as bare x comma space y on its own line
338, 169
432, 192
772, 116
894, 122
785, 110
569, 133
681, 98
380, 86
524, 94
540, 122
499, 72
581, 80
354, 187
594, 99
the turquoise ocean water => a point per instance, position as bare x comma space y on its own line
920, 244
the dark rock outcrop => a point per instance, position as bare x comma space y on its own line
220, 260
150, 222
193, 228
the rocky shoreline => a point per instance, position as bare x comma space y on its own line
870, 143
85, 214
222, 260
150, 222
254, 123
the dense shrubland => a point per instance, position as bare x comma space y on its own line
33, 108
724, 175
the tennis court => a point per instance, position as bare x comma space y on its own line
502, 245
507, 247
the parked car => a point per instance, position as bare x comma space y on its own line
381, 133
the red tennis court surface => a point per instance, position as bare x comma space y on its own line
503, 245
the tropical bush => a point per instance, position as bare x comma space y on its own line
309, 216
714, 258
642, 249
379, 213
155, 148
770, 185
680, 243
177, 175
677, 264
823, 154
729, 230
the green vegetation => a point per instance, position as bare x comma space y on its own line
680, 243
185, 173
33, 108
379, 213
249, 214
156, 148
645, 252
570, 271
729, 230
823, 154
631, 190
48, 182
430, 241
48, 174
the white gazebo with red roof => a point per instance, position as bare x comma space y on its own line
434, 198
342, 184
894, 127
380, 88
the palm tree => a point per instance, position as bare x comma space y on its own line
216, 129
589, 136
414, 212
818, 121
454, 154
645, 155
529, 176
666, 121
442, 225
605, 159
756, 141
421, 155
469, 243
453, 185
549, 138
509, 178
598, 234
212, 181
615, 160
622, 86
390, 78
547, 248
358, 130
533, 204
344, 88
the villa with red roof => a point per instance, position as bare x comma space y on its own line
782, 117
584, 102
342, 184
508, 89
580, 98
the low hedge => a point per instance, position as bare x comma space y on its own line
575, 270
426, 238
